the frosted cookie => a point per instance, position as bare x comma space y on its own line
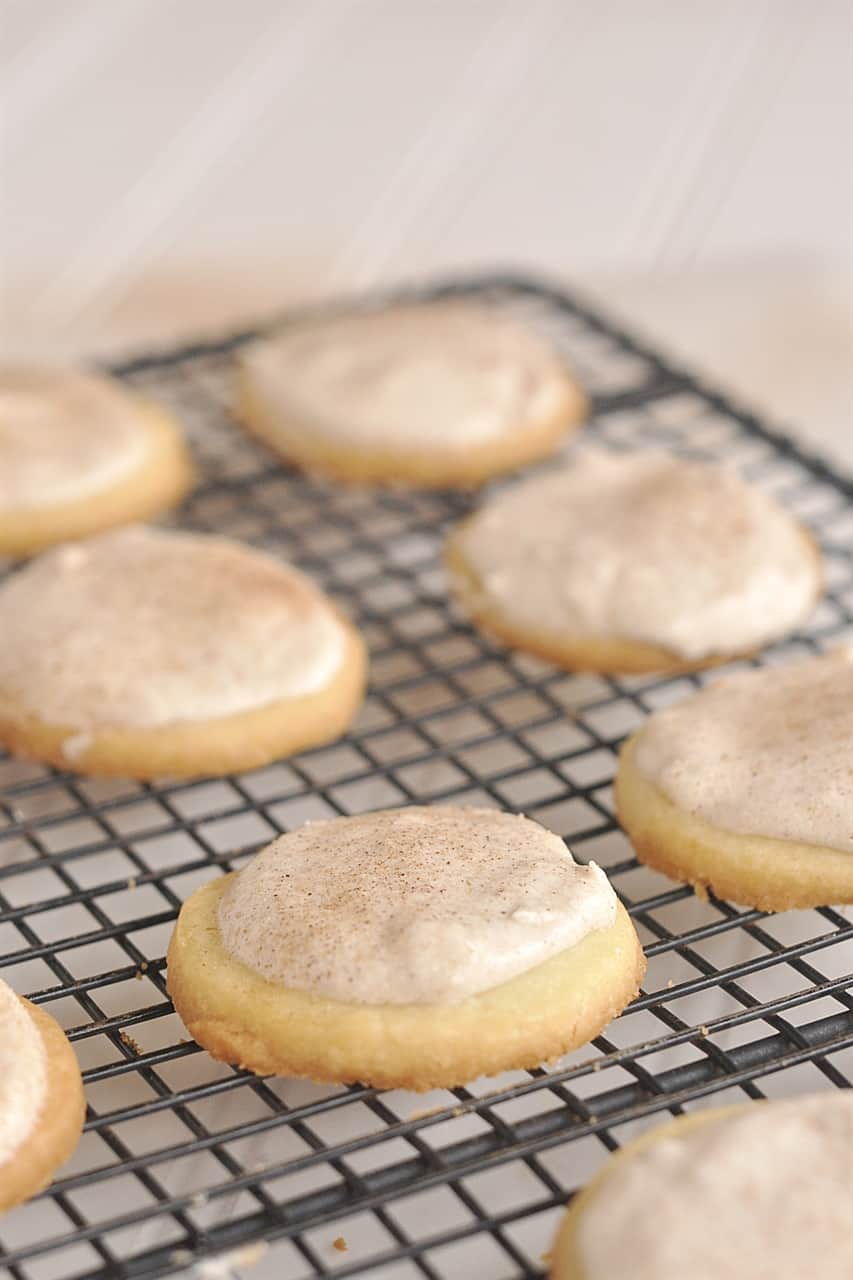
634, 562
756, 1192
430, 395
143, 652
79, 453
745, 787
41, 1098
415, 948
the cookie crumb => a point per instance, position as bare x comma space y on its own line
222, 1266
132, 882
250, 1254
129, 1041
340, 1244
703, 1030
424, 1115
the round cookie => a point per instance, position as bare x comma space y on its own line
633, 563
143, 653
437, 394
760, 1190
79, 453
744, 788
41, 1098
410, 948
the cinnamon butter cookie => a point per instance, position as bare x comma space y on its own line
146, 653
436, 394
755, 1192
744, 788
634, 562
415, 948
41, 1098
79, 453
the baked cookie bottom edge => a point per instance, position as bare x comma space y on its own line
192, 749
408, 468
59, 1125
159, 483
755, 871
245, 1019
566, 1258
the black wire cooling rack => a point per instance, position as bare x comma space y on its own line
186, 1162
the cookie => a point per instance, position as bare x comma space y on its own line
41, 1098
415, 948
439, 394
761, 1190
143, 653
744, 788
78, 454
634, 563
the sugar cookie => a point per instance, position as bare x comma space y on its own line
79, 453
415, 948
439, 394
759, 1191
41, 1098
634, 562
144, 652
745, 787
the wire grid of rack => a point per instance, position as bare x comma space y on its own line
185, 1160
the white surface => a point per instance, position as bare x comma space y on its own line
168, 166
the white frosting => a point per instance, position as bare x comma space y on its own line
143, 627
763, 753
64, 435
23, 1073
439, 375
643, 547
411, 906
759, 1194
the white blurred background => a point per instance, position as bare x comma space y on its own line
174, 166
